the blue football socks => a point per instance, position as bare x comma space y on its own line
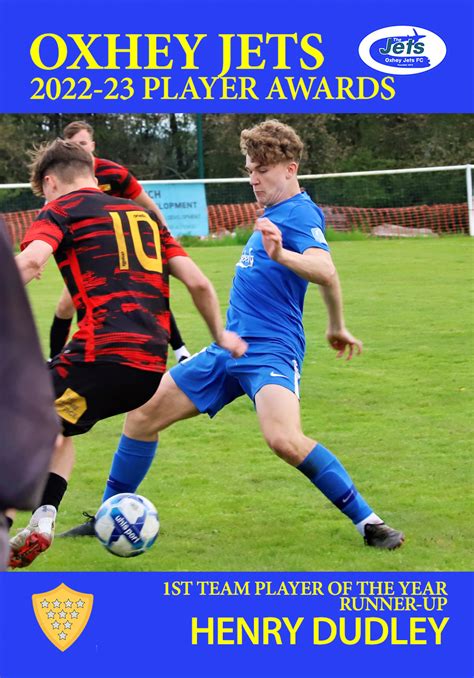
129, 466
329, 475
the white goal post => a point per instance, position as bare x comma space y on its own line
349, 204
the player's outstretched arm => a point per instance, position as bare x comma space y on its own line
339, 338
206, 302
144, 200
314, 264
30, 262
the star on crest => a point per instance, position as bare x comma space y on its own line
62, 614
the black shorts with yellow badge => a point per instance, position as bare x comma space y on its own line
89, 392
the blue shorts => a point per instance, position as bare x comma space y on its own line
212, 378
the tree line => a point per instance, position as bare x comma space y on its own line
159, 146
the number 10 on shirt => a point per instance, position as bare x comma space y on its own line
134, 218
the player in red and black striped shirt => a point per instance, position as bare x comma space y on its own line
109, 252
113, 178
116, 180
115, 260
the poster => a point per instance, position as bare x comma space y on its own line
273, 58
183, 205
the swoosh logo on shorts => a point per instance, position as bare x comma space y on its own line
276, 374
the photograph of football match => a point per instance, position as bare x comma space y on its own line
302, 281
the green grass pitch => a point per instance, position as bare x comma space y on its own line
397, 416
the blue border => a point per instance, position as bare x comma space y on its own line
342, 24
134, 630
137, 630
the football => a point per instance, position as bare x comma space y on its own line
127, 525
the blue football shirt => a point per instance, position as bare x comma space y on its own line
266, 299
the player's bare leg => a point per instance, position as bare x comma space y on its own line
137, 446
168, 405
279, 417
38, 535
10, 516
278, 412
63, 458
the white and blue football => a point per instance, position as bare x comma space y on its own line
127, 524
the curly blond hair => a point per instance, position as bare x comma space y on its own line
64, 158
271, 142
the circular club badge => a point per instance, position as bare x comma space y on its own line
402, 50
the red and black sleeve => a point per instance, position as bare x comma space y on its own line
46, 228
170, 245
116, 179
132, 188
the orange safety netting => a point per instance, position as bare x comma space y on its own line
447, 218
16, 223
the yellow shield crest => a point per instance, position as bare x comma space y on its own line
62, 614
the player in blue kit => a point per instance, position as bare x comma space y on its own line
287, 250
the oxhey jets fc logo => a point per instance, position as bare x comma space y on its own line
62, 614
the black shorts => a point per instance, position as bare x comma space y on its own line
89, 392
